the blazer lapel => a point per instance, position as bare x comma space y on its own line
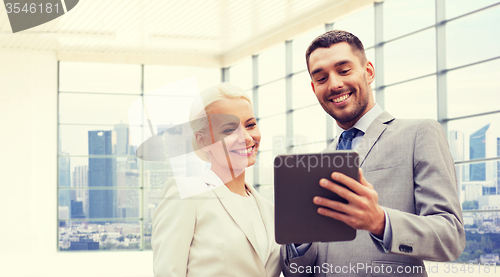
372, 135
237, 214
369, 139
267, 218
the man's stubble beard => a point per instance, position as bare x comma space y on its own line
358, 109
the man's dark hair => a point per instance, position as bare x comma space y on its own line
333, 37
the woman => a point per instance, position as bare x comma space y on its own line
227, 229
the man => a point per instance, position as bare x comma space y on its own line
405, 207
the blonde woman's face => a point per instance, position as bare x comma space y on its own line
236, 137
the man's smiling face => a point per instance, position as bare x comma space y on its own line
341, 82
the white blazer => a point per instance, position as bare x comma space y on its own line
209, 234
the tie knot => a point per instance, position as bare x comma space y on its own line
346, 139
349, 134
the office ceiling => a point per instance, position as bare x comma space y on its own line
204, 32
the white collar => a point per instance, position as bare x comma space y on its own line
365, 121
210, 178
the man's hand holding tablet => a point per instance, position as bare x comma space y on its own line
297, 183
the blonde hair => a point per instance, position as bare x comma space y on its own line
202, 106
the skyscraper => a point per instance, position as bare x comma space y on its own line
122, 139
498, 166
64, 182
80, 182
102, 173
456, 141
477, 146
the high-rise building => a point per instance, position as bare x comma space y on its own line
64, 182
80, 184
498, 166
122, 139
481, 146
102, 173
456, 141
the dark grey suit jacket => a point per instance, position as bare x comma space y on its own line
410, 166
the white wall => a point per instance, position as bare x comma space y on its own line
28, 179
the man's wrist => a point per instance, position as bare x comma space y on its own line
378, 231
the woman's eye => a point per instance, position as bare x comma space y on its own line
251, 125
229, 131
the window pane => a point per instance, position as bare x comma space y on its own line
147, 230
156, 174
299, 47
479, 185
272, 99
410, 57
357, 24
309, 125
99, 203
101, 235
406, 16
309, 148
156, 76
472, 38
415, 99
272, 64
77, 108
240, 74
483, 239
266, 166
152, 198
458, 7
370, 55
474, 89
74, 172
163, 110
273, 132
475, 138
100, 77
302, 93
105, 140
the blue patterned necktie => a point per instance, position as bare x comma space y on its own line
346, 139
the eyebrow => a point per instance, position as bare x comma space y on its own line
250, 119
339, 63
229, 124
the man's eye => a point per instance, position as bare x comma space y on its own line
345, 71
321, 80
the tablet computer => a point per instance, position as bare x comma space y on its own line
296, 183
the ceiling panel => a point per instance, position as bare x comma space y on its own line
194, 28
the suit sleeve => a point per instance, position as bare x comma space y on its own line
436, 231
173, 228
296, 267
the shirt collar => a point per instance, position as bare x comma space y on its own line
211, 178
365, 121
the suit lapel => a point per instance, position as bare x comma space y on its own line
267, 218
237, 214
372, 135
369, 139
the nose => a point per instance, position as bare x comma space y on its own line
336, 82
244, 136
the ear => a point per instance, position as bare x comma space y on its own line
200, 140
369, 72
312, 85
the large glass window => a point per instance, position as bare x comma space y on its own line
106, 195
